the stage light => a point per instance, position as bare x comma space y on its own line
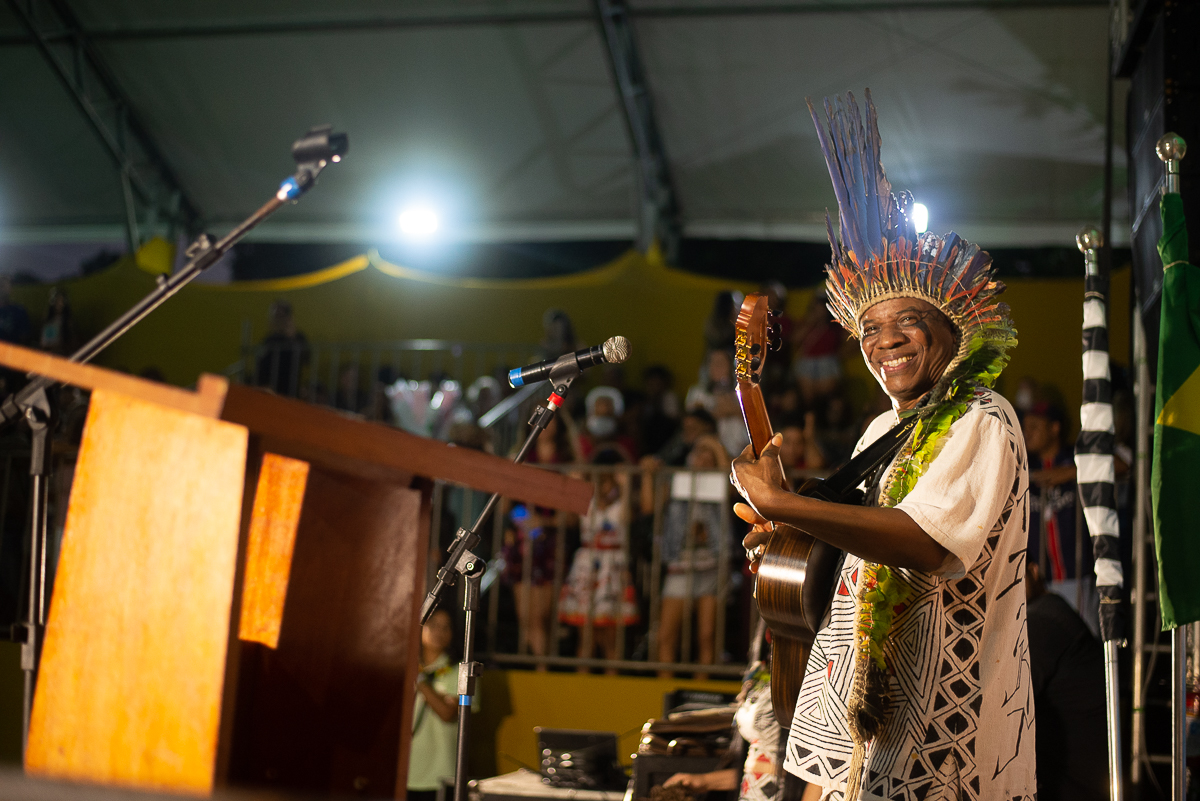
419, 222
920, 217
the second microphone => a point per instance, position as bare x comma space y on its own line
613, 351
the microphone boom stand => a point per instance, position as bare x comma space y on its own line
32, 404
462, 561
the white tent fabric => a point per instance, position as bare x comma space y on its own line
505, 115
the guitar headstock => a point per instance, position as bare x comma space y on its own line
755, 336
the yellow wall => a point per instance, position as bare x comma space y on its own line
661, 310
514, 701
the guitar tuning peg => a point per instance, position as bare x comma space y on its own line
755, 349
755, 363
755, 378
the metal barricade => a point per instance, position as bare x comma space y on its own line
681, 550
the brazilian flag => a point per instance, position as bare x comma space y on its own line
1175, 480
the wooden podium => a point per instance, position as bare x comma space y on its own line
238, 589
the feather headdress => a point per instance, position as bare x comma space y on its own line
879, 255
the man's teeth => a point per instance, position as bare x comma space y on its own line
896, 362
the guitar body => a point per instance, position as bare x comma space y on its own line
793, 589
797, 573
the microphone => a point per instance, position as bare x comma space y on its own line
613, 351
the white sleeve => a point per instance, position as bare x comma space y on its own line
960, 497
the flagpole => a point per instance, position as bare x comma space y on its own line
1171, 148
1179, 713
1096, 483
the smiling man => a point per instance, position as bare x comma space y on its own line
918, 684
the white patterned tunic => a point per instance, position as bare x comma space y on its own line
961, 721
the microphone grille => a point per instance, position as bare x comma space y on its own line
616, 350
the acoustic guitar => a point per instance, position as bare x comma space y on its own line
797, 573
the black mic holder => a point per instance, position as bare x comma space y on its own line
461, 560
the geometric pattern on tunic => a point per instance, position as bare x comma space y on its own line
927, 748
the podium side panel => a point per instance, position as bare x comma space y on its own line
278, 500
132, 671
324, 711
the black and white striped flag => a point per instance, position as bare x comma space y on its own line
1094, 448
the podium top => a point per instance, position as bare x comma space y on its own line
322, 436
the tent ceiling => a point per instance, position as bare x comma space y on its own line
505, 115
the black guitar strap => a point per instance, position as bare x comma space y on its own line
868, 465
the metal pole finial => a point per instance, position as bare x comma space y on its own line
1171, 149
1089, 240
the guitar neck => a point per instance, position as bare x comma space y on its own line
758, 422
754, 412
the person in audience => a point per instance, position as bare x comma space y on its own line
658, 417
379, 407
837, 430
435, 714
1052, 513
14, 319
696, 538
784, 402
349, 391
462, 505
531, 535
715, 393
605, 407
777, 369
800, 449
722, 321
1026, 395
695, 423
283, 353
14, 329
1066, 664
559, 334
484, 393
599, 588
58, 332
817, 345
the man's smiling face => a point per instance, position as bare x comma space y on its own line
907, 344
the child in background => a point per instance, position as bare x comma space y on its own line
696, 536
599, 585
435, 714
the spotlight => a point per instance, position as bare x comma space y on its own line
419, 222
920, 217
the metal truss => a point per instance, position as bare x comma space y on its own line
659, 217
645, 9
149, 184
